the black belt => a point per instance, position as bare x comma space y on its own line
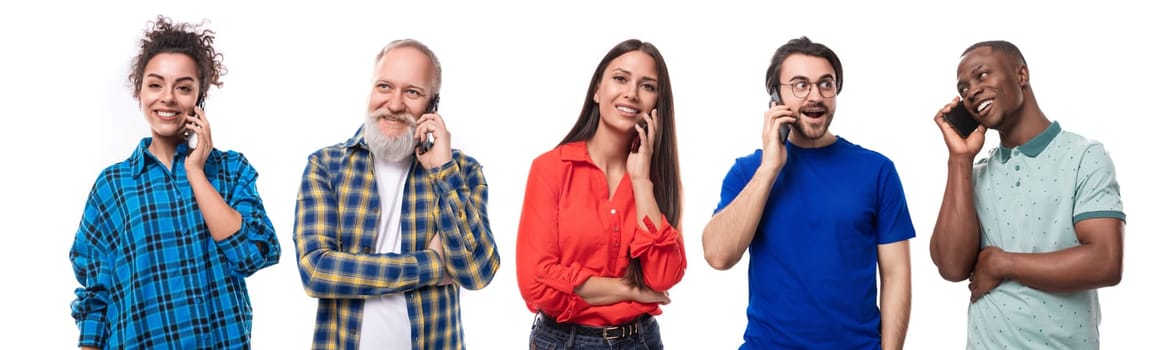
610, 332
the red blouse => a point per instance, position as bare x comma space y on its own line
570, 230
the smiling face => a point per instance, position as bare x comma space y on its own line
401, 89
991, 85
169, 90
627, 90
814, 111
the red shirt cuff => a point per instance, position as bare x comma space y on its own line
650, 236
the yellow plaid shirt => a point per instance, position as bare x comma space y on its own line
335, 229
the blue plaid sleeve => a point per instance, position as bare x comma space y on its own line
91, 263
255, 245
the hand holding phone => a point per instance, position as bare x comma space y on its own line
961, 120
636, 145
192, 139
427, 144
776, 101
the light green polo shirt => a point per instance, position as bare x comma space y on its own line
1028, 199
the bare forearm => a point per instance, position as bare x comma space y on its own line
955, 241
646, 203
894, 266
896, 310
727, 235
604, 291
1070, 270
222, 220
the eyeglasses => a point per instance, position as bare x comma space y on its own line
802, 88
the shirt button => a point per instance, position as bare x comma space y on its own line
198, 300
616, 228
1017, 167
367, 250
612, 211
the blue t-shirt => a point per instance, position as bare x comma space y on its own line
812, 275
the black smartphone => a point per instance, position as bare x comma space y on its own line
194, 141
784, 129
961, 120
427, 144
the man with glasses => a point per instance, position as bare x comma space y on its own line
819, 215
1045, 202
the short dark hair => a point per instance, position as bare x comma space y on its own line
804, 46
999, 46
163, 36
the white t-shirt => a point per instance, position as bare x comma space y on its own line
385, 322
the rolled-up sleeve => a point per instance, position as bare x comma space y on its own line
255, 245
661, 252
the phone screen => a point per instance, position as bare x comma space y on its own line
961, 120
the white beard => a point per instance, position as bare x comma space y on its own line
392, 149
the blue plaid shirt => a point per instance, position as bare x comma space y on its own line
152, 276
335, 229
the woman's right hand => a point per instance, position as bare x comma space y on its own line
611, 290
638, 162
646, 295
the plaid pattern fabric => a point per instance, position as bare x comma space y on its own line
335, 229
152, 276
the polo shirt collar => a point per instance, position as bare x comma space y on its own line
1036, 145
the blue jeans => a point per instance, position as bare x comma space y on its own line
546, 336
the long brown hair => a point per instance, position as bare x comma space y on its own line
667, 184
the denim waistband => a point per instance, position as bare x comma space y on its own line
608, 333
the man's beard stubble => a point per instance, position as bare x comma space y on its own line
811, 133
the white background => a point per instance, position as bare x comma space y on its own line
515, 76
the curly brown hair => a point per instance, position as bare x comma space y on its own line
163, 36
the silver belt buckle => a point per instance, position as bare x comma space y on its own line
626, 330
604, 332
